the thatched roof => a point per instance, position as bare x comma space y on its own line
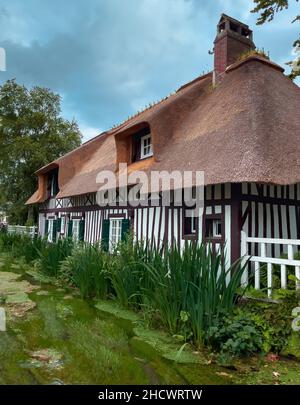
247, 129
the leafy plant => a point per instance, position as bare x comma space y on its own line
85, 268
196, 282
52, 254
128, 274
236, 335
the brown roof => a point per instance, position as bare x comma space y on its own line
247, 129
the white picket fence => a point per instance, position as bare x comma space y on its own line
24, 230
290, 246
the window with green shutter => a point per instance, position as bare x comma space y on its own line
70, 228
105, 235
58, 224
46, 228
125, 228
81, 230
54, 231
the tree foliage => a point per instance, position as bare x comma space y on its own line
267, 10
32, 134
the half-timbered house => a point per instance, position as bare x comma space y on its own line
240, 124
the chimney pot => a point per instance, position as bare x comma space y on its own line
233, 39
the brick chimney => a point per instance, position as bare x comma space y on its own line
233, 39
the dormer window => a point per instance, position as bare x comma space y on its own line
146, 146
52, 187
141, 144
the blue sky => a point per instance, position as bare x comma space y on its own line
109, 58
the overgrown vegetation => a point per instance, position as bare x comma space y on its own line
191, 294
85, 268
253, 52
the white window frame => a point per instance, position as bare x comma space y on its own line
193, 221
62, 225
216, 223
193, 224
143, 146
75, 229
112, 240
50, 229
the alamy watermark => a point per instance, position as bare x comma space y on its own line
296, 321
2, 60
2, 320
151, 189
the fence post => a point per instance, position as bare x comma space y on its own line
297, 271
244, 253
257, 275
283, 276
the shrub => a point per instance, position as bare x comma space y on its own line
85, 268
21, 245
274, 320
235, 335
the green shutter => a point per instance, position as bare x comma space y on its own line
54, 234
70, 228
105, 235
81, 230
58, 224
125, 228
46, 228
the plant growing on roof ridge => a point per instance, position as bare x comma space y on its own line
253, 52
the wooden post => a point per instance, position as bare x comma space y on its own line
236, 221
244, 253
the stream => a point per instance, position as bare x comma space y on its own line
53, 336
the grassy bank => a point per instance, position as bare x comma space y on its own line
186, 294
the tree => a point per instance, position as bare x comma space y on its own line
268, 9
32, 134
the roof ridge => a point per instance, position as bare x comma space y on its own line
155, 103
258, 58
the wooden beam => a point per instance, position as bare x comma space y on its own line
236, 221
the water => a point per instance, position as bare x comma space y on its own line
59, 338
66, 340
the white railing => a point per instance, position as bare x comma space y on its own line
289, 245
24, 230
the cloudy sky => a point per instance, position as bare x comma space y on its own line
109, 58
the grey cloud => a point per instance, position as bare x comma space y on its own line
108, 58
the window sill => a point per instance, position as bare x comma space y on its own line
214, 239
192, 236
142, 158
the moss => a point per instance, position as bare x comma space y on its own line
166, 346
39, 277
10, 283
72, 342
17, 298
114, 309
293, 346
